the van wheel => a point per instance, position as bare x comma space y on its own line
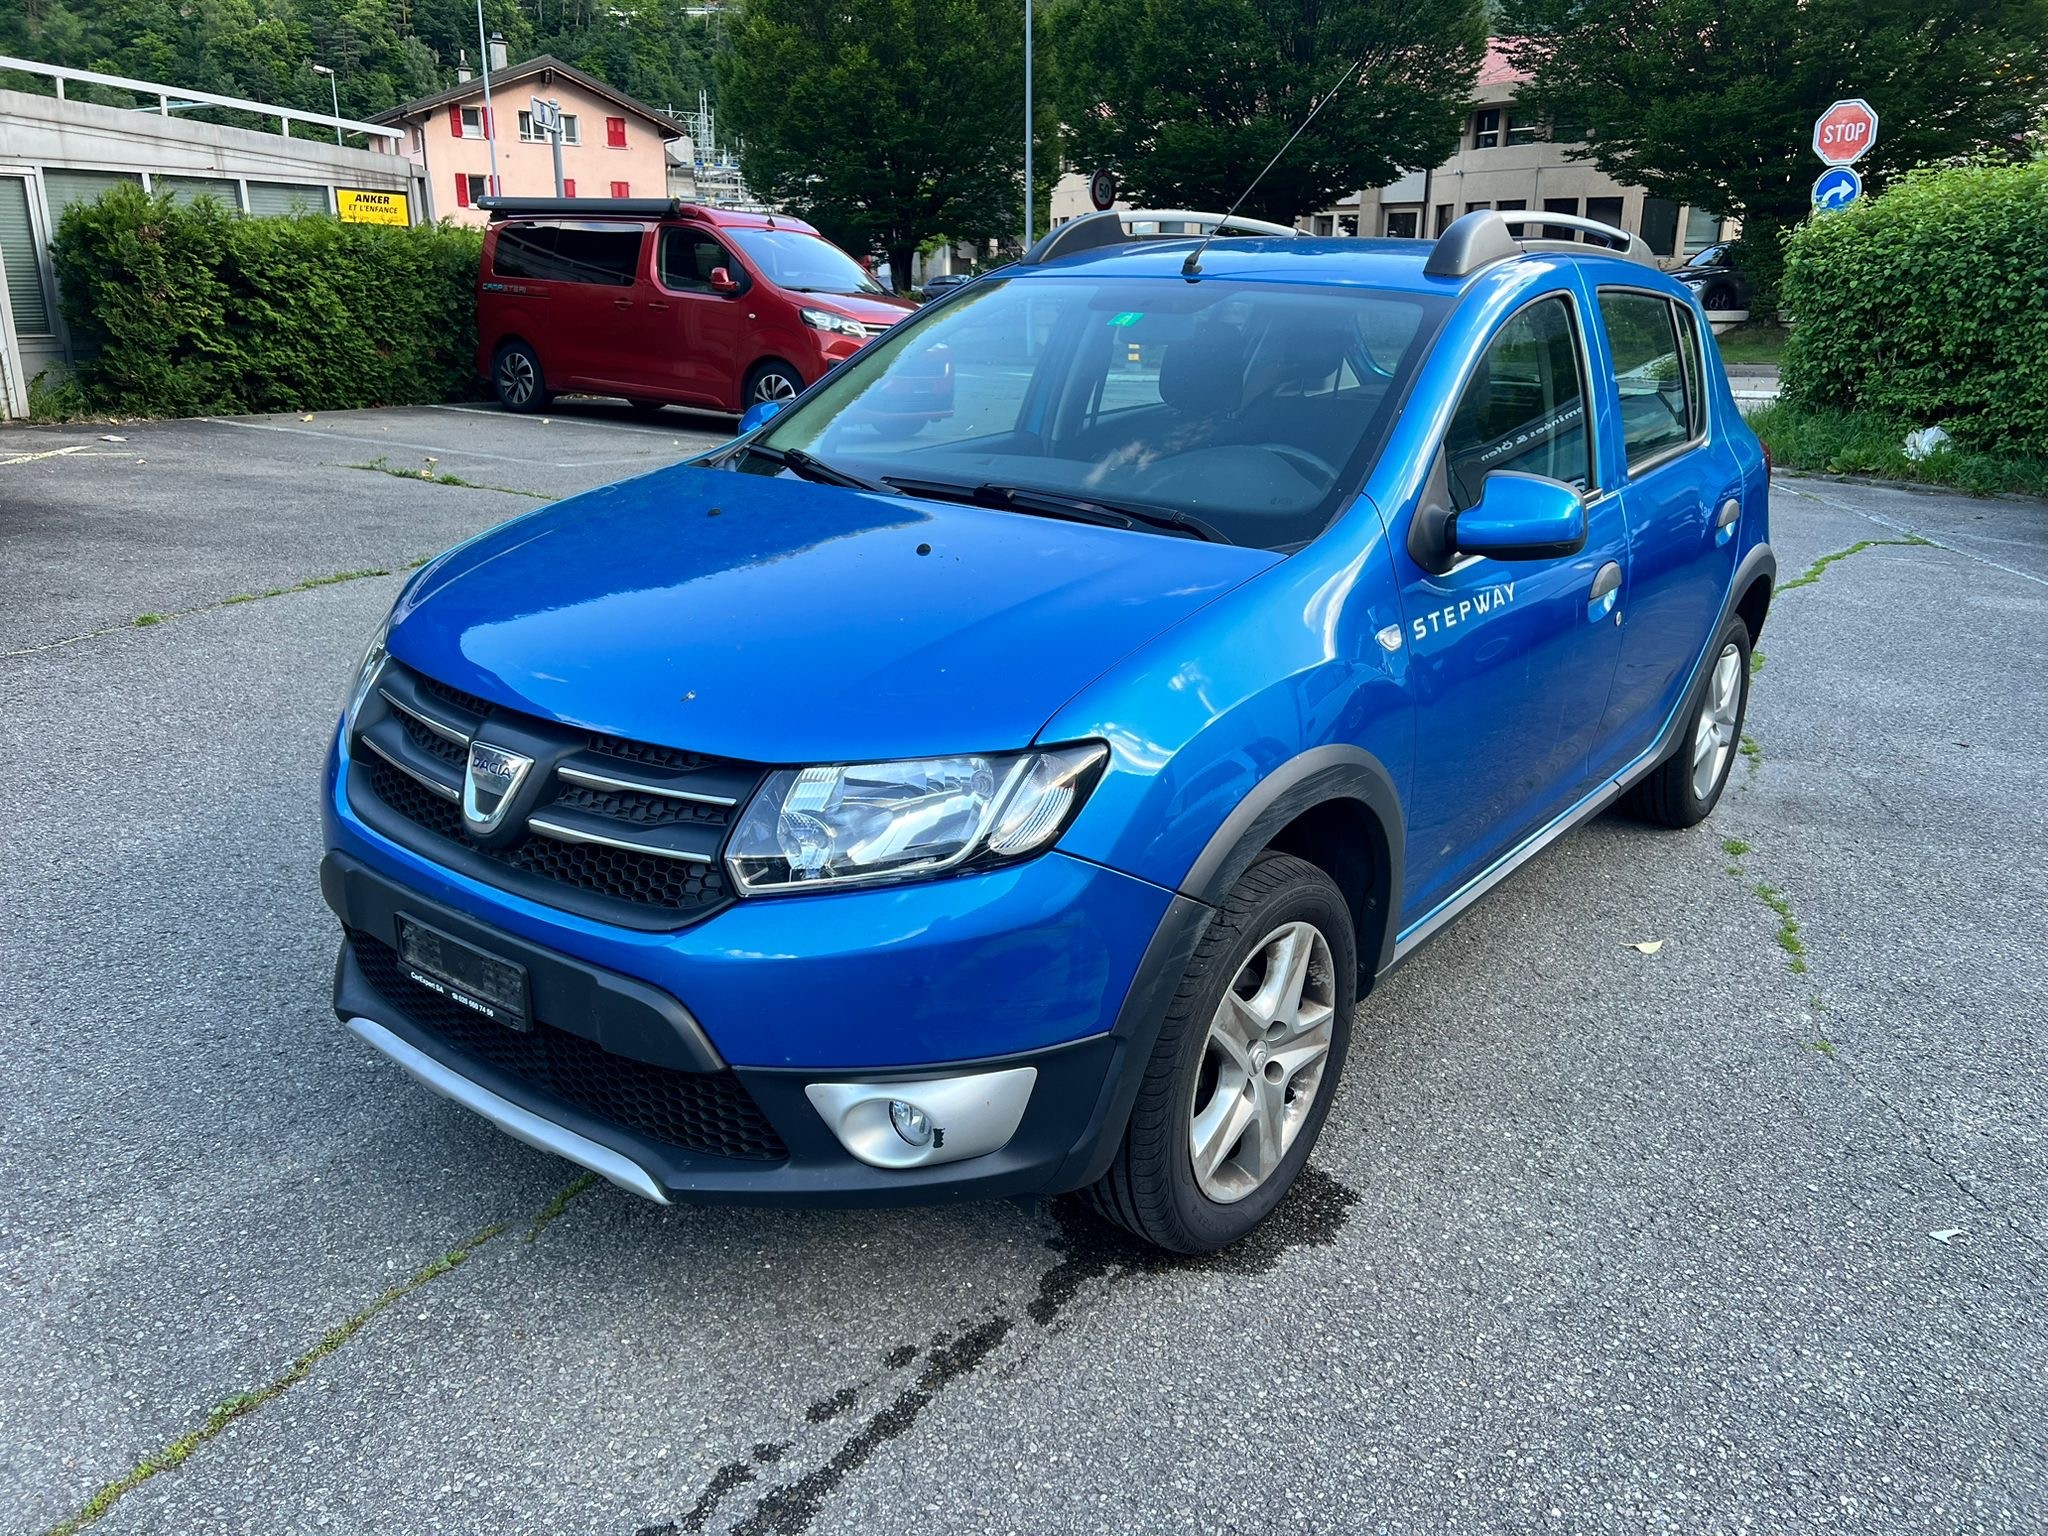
1245, 1065
772, 381
1683, 789
516, 375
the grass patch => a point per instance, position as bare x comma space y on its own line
1788, 926
1734, 847
1756, 663
1754, 341
1846, 443
1752, 755
429, 471
144, 620
1818, 569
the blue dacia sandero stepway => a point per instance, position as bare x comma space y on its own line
1020, 801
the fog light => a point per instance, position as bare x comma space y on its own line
911, 1123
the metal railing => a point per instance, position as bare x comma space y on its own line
169, 97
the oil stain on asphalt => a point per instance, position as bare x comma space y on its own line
1090, 1249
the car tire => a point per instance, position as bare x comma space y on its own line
648, 410
1682, 790
516, 376
1215, 1062
770, 382
1720, 296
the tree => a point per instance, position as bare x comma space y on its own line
1185, 99
1712, 102
884, 122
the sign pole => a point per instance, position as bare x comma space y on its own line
1027, 124
555, 133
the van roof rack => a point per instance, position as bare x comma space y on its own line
590, 207
1485, 236
1116, 226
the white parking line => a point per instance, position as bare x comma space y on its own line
53, 453
439, 450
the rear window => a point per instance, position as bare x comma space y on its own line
605, 254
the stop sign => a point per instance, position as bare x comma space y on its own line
1843, 133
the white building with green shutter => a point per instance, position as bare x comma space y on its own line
81, 133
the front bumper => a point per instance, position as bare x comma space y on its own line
632, 1087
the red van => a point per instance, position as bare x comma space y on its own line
665, 302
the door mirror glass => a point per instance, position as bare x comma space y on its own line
759, 413
722, 281
1522, 517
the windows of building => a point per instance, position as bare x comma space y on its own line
1523, 128
615, 133
528, 134
1560, 205
469, 122
1443, 218
1486, 128
1402, 223
469, 190
622, 189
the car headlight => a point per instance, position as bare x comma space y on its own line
815, 828
825, 320
368, 670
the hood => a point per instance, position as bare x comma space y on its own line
867, 308
780, 621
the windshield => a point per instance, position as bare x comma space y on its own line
803, 263
1255, 408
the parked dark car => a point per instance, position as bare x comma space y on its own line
946, 283
1715, 279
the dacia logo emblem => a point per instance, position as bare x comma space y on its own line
489, 783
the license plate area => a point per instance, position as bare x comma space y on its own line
467, 976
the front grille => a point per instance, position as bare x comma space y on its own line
407, 779
641, 878
704, 1112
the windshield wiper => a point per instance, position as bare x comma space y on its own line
1076, 509
810, 467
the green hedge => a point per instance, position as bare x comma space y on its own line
1928, 306
184, 310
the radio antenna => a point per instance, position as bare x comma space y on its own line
1192, 267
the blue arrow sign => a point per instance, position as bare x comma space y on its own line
1836, 189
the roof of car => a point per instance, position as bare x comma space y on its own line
1124, 243
501, 208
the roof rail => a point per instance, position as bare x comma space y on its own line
1484, 237
1115, 226
590, 207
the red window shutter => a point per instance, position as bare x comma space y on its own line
455, 121
622, 189
461, 190
568, 186
615, 132
484, 116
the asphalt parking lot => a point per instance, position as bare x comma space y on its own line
1741, 1233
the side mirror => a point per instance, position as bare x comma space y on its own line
760, 413
1522, 517
722, 281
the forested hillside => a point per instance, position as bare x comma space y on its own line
383, 51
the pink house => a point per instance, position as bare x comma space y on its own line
612, 145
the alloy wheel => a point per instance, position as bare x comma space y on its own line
774, 386
515, 378
1262, 1065
1714, 738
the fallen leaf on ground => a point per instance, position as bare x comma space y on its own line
307, 417
108, 437
1946, 1234
1648, 946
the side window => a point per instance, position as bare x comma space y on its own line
603, 254
1656, 410
1695, 380
1524, 407
688, 257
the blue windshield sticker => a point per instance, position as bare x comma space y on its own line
1128, 317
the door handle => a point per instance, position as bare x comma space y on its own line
1725, 521
1605, 595
656, 304
622, 303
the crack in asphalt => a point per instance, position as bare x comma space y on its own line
1090, 1249
1813, 573
151, 620
242, 1404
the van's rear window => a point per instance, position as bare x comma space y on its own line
565, 252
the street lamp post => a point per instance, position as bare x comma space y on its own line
483, 44
333, 95
1027, 124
